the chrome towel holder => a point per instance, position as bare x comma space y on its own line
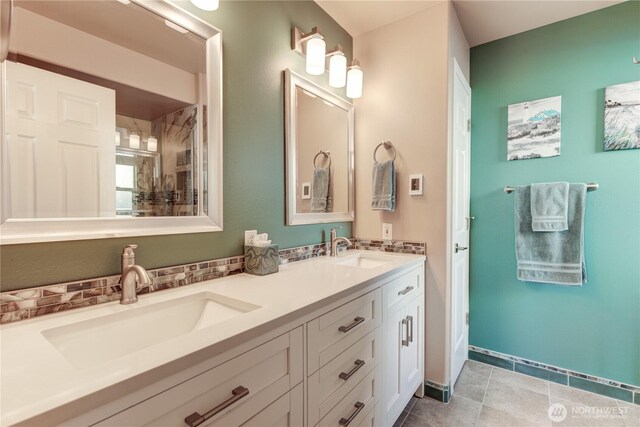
326, 154
592, 186
387, 145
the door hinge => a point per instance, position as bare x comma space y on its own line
467, 318
468, 125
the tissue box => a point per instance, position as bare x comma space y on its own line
260, 260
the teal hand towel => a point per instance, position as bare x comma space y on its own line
549, 206
320, 189
383, 197
554, 257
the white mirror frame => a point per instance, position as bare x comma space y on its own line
293, 80
31, 230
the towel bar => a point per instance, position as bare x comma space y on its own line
592, 186
387, 145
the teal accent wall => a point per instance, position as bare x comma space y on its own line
594, 329
256, 50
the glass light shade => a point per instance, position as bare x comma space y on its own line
152, 144
337, 70
117, 138
316, 51
134, 141
354, 82
206, 4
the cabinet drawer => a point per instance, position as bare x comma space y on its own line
284, 412
355, 405
331, 383
332, 333
268, 372
404, 287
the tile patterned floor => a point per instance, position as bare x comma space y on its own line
489, 396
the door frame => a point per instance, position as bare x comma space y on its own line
456, 72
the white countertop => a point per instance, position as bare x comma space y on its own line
36, 378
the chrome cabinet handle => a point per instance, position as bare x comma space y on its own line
346, 375
459, 248
410, 328
405, 290
355, 323
347, 421
405, 342
196, 419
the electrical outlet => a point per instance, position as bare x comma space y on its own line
387, 231
248, 235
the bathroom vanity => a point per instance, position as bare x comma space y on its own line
327, 341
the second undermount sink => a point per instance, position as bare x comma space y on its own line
364, 261
104, 338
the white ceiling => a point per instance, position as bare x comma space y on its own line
482, 20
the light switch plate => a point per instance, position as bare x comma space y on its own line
248, 235
415, 184
387, 231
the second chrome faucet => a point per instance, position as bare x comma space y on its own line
335, 240
131, 273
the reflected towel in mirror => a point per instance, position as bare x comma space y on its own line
321, 200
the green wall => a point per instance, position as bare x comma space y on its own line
256, 49
594, 329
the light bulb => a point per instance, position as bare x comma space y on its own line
134, 141
152, 144
354, 82
338, 70
206, 4
316, 50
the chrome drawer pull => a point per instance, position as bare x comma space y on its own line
347, 421
405, 322
410, 329
405, 290
346, 375
196, 419
355, 323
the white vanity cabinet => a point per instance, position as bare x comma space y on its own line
403, 342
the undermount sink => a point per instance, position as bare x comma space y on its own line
364, 261
98, 340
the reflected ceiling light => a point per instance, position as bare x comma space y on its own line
313, 46
206, 4
175, 26
152, 144
134, 141
354, 80
337, 67
125, 2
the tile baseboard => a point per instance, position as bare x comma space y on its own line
590, 383
437, 391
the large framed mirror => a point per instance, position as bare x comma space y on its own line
320, 153
111, 120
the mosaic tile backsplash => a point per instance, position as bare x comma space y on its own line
34, 302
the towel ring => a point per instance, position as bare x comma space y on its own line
326, 154
387, 145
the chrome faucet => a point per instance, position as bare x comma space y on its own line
130, 274
335, 240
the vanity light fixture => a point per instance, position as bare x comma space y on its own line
337, 67
152, 144
134, 141
207, 5
312, 45
354, 80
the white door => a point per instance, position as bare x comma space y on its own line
460, 222
60, 146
